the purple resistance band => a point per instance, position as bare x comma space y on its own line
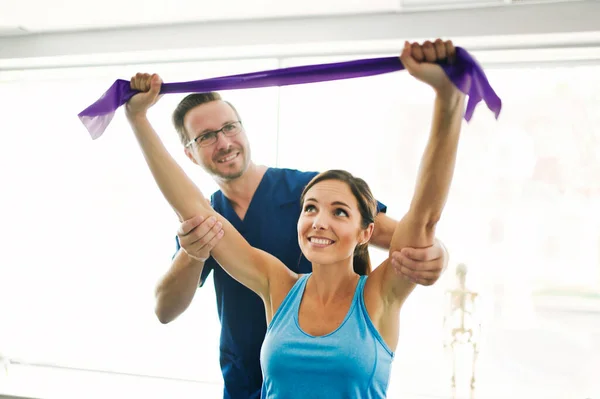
465, 73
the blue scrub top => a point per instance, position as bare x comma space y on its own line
269, 224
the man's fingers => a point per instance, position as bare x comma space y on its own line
212, 232
421, 274
422, 281
189, 225
201, 248
202, 234
419, 254
399, 260
422, 278
213, 242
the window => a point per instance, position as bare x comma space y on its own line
522, 214
86, 234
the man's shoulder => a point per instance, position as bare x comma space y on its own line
288, 184
293, 176
216, 199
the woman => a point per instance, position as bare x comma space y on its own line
332, 333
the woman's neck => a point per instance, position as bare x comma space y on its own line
333, 281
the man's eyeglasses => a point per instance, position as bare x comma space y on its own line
210, 138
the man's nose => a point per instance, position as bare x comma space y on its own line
223, 142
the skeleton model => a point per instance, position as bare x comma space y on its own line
460, 325
4, 363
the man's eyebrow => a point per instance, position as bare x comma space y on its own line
210, 130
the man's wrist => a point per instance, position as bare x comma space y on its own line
193, 260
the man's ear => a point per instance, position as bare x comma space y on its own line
190, 155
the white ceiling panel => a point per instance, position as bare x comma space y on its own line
453, 4
421, 4
277, 30
61, 15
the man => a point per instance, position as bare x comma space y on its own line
263, 204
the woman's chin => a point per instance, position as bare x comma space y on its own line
312, 256
317, 258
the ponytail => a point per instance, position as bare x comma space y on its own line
361, 260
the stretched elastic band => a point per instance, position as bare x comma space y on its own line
464, 72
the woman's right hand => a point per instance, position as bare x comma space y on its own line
149, 85
198, 237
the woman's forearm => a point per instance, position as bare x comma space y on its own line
439, 159
181, 193
244, 263
417, 227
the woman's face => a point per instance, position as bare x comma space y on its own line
329, 227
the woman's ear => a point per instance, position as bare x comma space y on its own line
365, 235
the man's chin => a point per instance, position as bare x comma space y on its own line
228, 173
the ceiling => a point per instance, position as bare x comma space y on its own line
38, 16
34, 33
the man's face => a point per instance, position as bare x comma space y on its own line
227, 157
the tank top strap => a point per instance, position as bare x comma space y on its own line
360, 287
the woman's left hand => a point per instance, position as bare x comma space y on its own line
422, 62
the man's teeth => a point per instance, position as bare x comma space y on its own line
229, 158
320, 241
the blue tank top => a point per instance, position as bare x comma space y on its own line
353, 361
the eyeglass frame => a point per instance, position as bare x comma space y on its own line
216, 133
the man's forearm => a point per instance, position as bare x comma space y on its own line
176, 289
383, 232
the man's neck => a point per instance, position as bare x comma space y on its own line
241, 190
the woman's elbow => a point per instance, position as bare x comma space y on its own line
163, 316
424, 227
425, 215
425, 218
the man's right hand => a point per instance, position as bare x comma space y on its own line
149, 85
198, 237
